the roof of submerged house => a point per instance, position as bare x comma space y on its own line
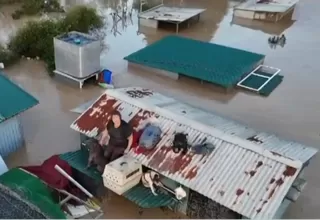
14, 100
217, 64
244, 176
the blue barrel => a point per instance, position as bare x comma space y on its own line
107, 76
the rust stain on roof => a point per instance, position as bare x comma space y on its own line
254, 171
97, 115
199, 172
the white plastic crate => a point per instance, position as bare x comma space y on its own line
121, 189
122, 171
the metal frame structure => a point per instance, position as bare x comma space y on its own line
144, 2
276, 72
79, 80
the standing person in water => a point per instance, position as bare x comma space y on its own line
120, 137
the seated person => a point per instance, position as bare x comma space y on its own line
120, 137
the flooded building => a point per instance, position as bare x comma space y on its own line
161, 14
14, 101
266, 10
224, 66
247, 173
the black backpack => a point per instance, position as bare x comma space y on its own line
180, 143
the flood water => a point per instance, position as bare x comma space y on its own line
291, 111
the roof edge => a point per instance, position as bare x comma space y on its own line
205, 129
36, 101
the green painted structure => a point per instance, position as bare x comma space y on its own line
33, 190
205, 61
256, 81
140, 195
14, 99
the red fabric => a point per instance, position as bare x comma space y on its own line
50, 175
135, 138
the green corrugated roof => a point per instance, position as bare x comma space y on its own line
144, 198
13, 99
79, 160
210, 62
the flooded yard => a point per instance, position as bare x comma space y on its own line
291, 111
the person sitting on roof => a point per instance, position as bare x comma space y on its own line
120, 137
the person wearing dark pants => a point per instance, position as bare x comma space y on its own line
120, 137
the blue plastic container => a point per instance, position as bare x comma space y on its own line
107, 76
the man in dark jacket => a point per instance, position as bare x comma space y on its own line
120, 137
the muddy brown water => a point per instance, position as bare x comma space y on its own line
290, 111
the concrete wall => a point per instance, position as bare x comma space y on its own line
172, 75
148, 23
11, 136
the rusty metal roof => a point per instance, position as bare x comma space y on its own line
239, 174
268, 141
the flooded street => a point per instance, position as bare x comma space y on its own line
291, 111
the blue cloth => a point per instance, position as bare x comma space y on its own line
150, 136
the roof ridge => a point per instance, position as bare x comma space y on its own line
205, 129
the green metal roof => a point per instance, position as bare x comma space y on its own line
209, 62
13, 99
140, 195
144, 198
79, 160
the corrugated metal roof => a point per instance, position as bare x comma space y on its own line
180, 55
14, 99
238, 174
268, 141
